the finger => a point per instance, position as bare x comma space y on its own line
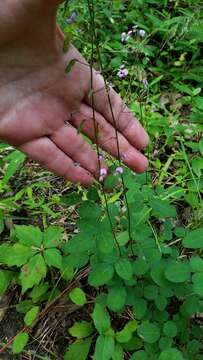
107, 138
46, 153
73, 144
118, 113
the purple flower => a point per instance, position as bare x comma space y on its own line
103, 173
145, 83
119, 170
122, 72
100, 157
71, 19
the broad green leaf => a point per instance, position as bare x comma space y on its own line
162, 208
194, 239
171, 354
124, 269
149, 332
196, 264
79, 350
24, 306
123, 238
201, 146
105, 242
31, 315
18, 255
33, 272
52, 237
139, 308
177, 272
116, 298
28, 235
20, 342
197, 165
118, 352
190, 306
197, 280
104, 347
101, 274
140, 267
126, 333
5, 279
38, 291
170, 329
101, 318
151, 292
161, 302
53, 257
81, 329
78, 296
139, 355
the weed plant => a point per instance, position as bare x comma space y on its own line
129, 252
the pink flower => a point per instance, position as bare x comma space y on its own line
122, 72
119, 170
103, 174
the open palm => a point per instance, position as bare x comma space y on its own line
41, 107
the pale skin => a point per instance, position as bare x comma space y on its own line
41, 107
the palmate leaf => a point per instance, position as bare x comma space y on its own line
52, 237
17, 255
33, 272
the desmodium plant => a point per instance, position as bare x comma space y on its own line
126, 263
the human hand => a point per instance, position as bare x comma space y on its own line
42, 108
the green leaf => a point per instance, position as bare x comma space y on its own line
149, 332
124, 269
79, 350
104, 347
194, 239
116, 298
170, 329
105, 242
197, 280
139, 308
177, 272
190, 306
196, 264
101, 318
24, 306
20, 342
140, 267
118, 352
161, 302
78, 296
201, 146
53, 257
162, 208
1, 222
197, 165
18, 255
31, 315
28, 235
52, 237
101, 274
151, 292
171, 354
70, 65
123, 238
81, 329
16, 158
5, 279
139, 355
39, 291
33, 272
